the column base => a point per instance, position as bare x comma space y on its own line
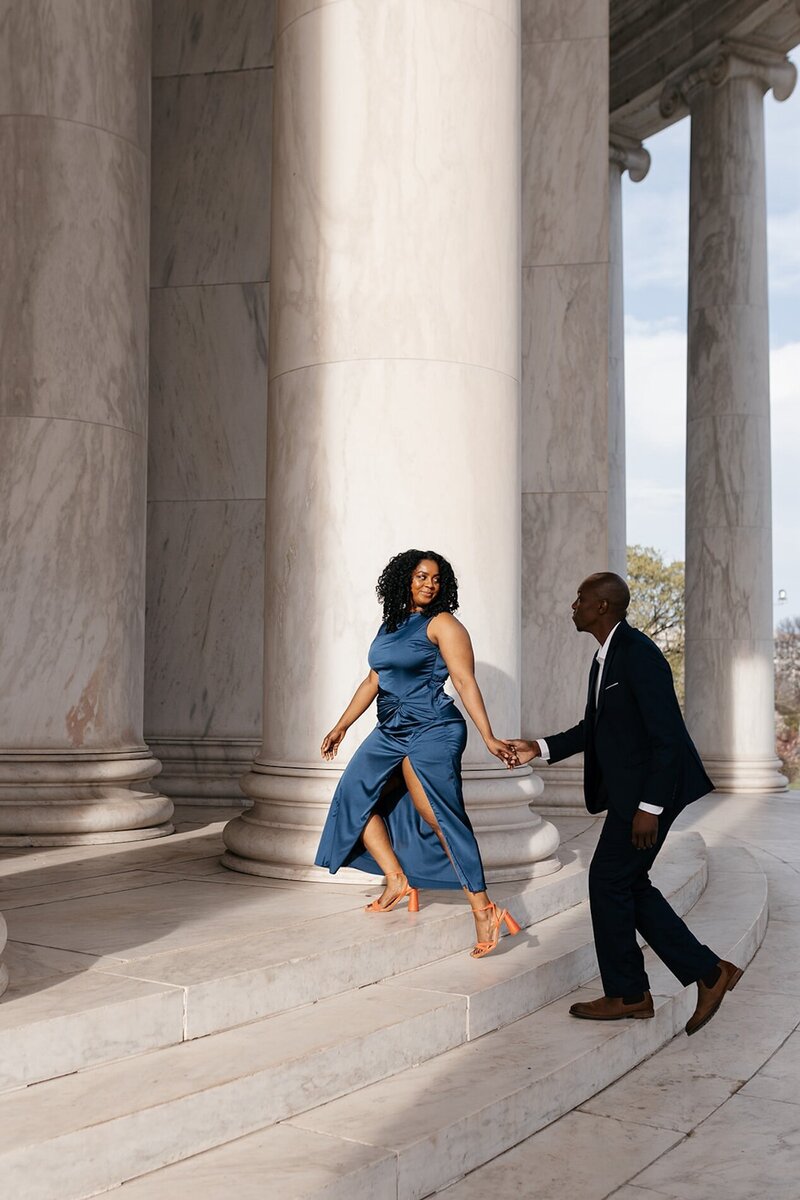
203, 770
278, 837
755, 776
70, 798
563, 790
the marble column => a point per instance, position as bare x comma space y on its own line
625, 154
729, 653
394, 389
212, 120
565, 467
74, 142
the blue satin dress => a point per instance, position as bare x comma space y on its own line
418, 720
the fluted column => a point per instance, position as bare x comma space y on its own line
74, 143
625, 154
394, 389
729, 653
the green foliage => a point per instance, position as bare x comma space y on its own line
657, 605
787, 695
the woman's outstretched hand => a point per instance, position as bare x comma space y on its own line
503, 750
331, 743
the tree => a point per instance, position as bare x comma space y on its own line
657, 605
787, 695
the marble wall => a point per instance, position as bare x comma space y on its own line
75, 143
564, 356
212, 129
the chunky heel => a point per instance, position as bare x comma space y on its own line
511, 925
413, 900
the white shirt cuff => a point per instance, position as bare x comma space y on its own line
651, 808
544, 752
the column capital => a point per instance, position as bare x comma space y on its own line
629, 155
733, 60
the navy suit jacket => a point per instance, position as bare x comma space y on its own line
635, 744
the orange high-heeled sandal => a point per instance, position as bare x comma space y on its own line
411, 892
501, 915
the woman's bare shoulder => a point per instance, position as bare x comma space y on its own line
444, 623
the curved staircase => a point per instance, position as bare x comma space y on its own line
345, 1054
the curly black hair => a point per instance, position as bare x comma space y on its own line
394, 587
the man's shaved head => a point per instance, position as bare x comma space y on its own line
605, 585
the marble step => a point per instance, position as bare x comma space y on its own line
94, 1008
229, 983
115, 1010
422, 1129
71, 1137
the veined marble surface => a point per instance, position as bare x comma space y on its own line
193, 37
396, 231
73, 528
290, 11
564, 332
85, 61
208, 393
556, 659
212, 128
565, 255
74, 136
560, 20
205, 606
211, 178
73, 277
729, 668
565, 150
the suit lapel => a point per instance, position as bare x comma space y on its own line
612, 649
591, 706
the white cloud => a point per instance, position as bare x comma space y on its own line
655, 384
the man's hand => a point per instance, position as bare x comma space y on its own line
644, 833
526, 751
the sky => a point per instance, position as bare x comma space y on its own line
656, 244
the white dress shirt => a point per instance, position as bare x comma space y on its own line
600, 657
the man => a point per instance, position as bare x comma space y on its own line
640, 765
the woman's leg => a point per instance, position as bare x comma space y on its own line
376, 840
478, 900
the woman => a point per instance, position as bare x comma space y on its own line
398, 809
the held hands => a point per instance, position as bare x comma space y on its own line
502, 750
644, 833
331, 743
525, 751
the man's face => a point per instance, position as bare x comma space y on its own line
587, 607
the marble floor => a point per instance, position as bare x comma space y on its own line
717, 1115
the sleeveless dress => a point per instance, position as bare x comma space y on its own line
418, 720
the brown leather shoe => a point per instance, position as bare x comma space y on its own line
613, 1008
710, 998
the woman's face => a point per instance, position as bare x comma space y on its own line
425, 583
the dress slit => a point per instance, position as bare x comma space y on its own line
442, 826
